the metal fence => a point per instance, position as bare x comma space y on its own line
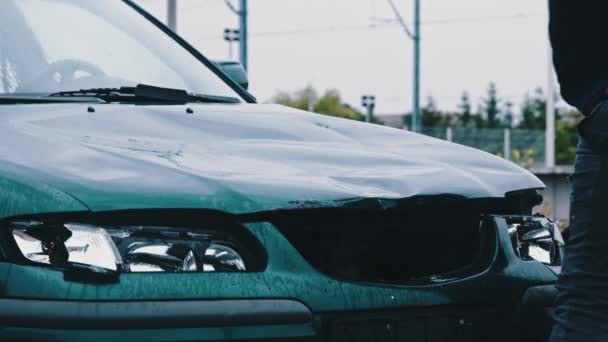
523, 146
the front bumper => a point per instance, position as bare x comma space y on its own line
288, 301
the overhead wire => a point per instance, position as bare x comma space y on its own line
389, 24
400, 19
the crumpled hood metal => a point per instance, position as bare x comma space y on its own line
237, 158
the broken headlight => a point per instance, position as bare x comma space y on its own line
127, 249
536, 238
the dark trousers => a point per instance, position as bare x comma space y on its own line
581, 312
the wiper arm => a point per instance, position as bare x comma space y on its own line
145, 93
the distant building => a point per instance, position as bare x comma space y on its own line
391, 120
556, 197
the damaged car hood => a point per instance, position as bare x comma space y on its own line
236, 158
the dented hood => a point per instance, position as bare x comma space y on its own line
236, 158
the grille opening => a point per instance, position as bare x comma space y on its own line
432, 244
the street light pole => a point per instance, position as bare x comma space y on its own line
172, 15
243, 14
311, 99
369, 102
416, 93
231, 35
550, 115
415, 36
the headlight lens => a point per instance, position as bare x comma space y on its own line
536, 238
75, 243
127, 249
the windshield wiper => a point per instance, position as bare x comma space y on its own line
32, 99
144, 93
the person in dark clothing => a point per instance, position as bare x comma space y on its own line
577, 30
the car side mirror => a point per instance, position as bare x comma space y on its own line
235, 71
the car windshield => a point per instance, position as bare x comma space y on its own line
47, 46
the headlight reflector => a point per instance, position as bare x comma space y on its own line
536, 238
128, 249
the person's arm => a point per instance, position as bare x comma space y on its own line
579, 35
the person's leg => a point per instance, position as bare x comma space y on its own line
582, 306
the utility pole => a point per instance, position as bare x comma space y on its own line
231, 35
507, 144
415, 36
550, 115
311, 99
172, 15
416, 100
369, 102
243, 13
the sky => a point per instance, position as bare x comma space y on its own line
356, 47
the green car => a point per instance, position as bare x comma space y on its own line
145, 195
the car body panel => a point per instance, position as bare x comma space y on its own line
237, 158
22, 192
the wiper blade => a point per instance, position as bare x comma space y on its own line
145, 93
33, 99
205, 98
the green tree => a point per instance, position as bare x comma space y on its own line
507, 120
433, 117
566, 137
297, 100
330, 103
490, 107
533, 110
429, 115
465, 116
534, 115
479, 120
